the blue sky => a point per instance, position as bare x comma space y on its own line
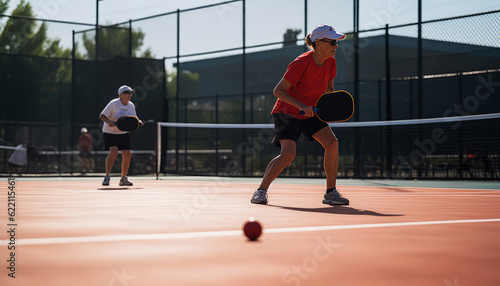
266, 19
123, 10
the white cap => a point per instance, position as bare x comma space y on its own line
325, 32
125, 88
83, 130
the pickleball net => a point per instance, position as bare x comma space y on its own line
460, 147
33, 160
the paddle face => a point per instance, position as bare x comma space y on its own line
335, 106
128, 123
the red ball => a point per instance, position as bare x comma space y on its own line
252, 229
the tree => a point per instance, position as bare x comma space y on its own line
36, 71
114, 41
290, 37
4, 5
21, 36
24, 36
33, 77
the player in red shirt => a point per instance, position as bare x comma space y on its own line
306, 79
85, 148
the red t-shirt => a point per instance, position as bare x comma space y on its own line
309, 82
85, 142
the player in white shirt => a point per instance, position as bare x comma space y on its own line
114, 139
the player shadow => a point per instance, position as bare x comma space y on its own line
345, 210
391, 188
118, 188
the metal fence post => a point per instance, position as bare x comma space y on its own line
420, 82
357, 147
388, 103
177, 88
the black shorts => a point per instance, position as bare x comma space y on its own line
85, 153
121, 141
288, 127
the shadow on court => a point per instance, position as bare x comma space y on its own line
389, 186
345, 210
118, 189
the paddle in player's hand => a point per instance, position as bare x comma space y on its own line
335, 106
128, 123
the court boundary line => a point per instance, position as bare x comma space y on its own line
97, 185
205, 234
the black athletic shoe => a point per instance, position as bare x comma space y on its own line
259, 197
335, 198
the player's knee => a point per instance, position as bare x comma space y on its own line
332, 144
126, 153
113, 151
289, 156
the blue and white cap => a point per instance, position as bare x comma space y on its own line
326, 32
125, 88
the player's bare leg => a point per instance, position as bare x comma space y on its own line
331, 164
279, 163
331, 160
110, 159
126, 155
275, 167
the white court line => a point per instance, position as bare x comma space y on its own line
278, 195
91, 194
185, 235
394, 195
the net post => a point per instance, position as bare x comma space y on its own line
158, 149
388, 104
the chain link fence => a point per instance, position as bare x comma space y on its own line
219, 63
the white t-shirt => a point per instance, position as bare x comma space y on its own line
20, 156
114, 110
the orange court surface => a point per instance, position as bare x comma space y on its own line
188, 231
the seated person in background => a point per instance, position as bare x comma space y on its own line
18, 160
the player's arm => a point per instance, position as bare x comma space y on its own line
329, 87
140, 121
280, 92
134, 113
107, 120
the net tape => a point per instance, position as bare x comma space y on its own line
341, 124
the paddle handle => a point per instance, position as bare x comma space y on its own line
303, 113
